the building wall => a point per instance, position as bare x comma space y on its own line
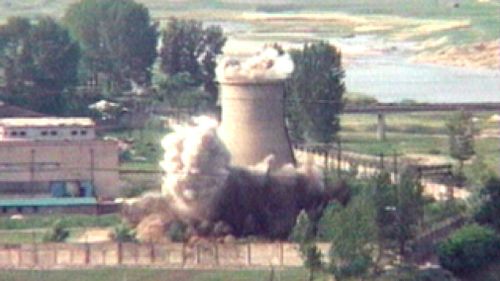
70, 161
47, 133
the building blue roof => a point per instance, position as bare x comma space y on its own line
48, 202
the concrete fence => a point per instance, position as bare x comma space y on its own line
171, 255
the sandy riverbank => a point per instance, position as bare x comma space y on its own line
480, 55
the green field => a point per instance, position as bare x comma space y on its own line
120, 274
418, 134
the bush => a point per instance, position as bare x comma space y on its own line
123, 233
177, 231
469, 248
489, 211
57, 233
133, 192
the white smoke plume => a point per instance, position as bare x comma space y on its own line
271, 63
202, 190
196, 165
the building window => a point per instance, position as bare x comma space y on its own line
53, 133
4, 210
19, 210
22, 133
14, 133
83, 132
74, 133
44, 133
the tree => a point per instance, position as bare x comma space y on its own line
189, 47
461, 139
40, 63
385, 199
118, 41
489, 211
57, 233
314, 92
352, 233
123, 233
408, 209
303, 233
469, 248
181, 91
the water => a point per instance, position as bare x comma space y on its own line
391, 78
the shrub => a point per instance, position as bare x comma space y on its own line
177, 231
57, 233
123, 233
489, 211
469, 248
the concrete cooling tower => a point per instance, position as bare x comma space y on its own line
252, 122
252, 101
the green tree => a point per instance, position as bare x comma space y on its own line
118, 41
461, 139
352, 233
315, 93
489, 211
408, 209
385, 200
40, 63
123, 233
57, 233
303, 233
189, 47
181, 91
469, 248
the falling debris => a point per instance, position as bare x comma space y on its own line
213, 199
271, 63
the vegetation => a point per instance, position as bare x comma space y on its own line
469, 248
65, 221
461, 138
489, 211
303, 233
123, 233
190, 48
118, 42
57, 233
315, 93
40, 63
408, 209
150, 274
177, 231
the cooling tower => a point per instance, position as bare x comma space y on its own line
252, 122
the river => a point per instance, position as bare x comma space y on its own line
392, 78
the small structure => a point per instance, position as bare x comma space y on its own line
52, 157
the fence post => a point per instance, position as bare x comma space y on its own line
382, 162
152, 253
87, 253
119, 253
249, 254
216, 254
183, 254
35, 249
395, 168
281, 255
197, 254
339, 158
55, 254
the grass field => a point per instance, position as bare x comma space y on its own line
418, 133
70, 221
121, 274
